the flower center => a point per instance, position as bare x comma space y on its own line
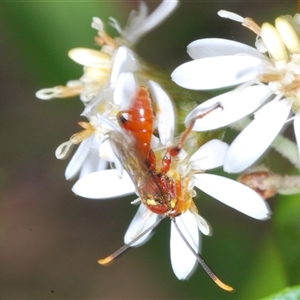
64, 149
283, 46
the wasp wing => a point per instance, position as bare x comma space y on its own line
136, 164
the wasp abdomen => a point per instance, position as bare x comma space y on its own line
139, 119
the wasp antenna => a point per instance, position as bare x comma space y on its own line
111, 257
201, 261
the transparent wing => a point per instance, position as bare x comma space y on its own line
136, 164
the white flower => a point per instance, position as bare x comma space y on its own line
272, 76
106, 87
98, 65
182, 259
191, 171
86, 159
167, 190
230, 192
96, 185
139, 23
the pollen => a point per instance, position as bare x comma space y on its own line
157, 109
151, 202
173, 203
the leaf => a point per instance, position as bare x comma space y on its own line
45, 31
287, 234
290, 293
267, 272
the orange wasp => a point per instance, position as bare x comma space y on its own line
162, 193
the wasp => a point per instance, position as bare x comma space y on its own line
160, 188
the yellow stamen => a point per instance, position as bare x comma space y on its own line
269, 77
59, 92
78, 137
69, 91
273, 42
105, 39
288, 34
86, 126
252, 25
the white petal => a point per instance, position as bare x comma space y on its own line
142, 220
254, 140
154, 141
92, 163
85, 160
125, 90
202, 224
182, 259
220, 47
102, 165
236, 105
103, 185
217, 72
78, 158
153, 20
106, 152
297, 130
164, 112
123, 61
234, 194
210, 155
118, 165
99, 100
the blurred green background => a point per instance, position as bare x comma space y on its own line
50, 239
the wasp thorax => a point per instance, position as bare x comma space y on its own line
173, 196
